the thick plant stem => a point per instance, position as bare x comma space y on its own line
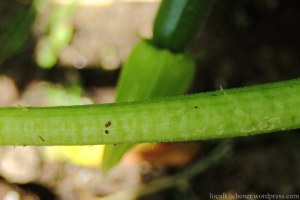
220, 114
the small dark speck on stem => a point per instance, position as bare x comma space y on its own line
196, 107
107, 124
41, 138
106, 132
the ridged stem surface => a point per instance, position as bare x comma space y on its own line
219, 114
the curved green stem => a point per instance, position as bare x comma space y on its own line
180, 179
220, 114
177, 22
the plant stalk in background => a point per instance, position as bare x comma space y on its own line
153, 68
